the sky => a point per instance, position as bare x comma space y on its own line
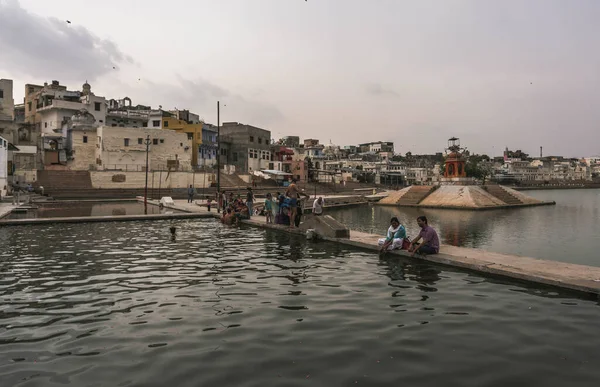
510, 73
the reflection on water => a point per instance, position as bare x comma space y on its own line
76, 209
122, 304
568, 232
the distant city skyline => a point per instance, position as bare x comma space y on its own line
496, 74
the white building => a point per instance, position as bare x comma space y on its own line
56, 106
3, 166
109, 148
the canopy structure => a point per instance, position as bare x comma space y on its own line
275, 173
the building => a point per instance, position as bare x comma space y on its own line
125, 149
5, 165
49, 107
92, 147
7, 102
7, 111
291, 141
48, 111
376, 147
283, 160
311, 142
249, 146
192, 131
207, 154
186, 116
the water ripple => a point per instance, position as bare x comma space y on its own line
125, 305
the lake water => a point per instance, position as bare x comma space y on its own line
83, 208
567, 232
123, 304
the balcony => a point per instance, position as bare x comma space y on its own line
127, 114
61, 104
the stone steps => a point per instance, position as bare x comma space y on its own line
415, 195
502, 194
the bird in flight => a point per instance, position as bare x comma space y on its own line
68, 22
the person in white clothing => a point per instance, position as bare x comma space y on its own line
394, 238
318, 206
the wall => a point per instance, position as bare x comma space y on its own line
104, 179
7, 103
31, 96
170, 145
84, 154
88, 102
191, 130
53, 118
3, 166
241, 143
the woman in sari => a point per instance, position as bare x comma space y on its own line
394, 238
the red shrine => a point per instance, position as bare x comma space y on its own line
455, 162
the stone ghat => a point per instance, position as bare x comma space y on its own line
460, 197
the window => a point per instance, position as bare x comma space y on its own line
140, 141
166, 124
235, 157
155, 141
30, 89
251, 138
180, 144
156, 123
266, 142
1, 93
190, 136
260, 140
114, 125
162, 140
126, 141
45, 124
29, 106
85, 139
97, 106
144, 125
101, 121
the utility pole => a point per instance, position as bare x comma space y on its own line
146, 186
218, 147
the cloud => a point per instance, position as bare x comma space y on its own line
200, 96
378, 90
42, 47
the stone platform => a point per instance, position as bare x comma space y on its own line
461, 197
579, 278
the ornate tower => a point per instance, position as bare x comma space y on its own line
455, 162
86, 89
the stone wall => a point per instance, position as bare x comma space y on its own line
119, 179
84, 153
165, 145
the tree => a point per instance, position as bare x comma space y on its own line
479, 167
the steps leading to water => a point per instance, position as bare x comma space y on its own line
502, 194
64, 180
415, 195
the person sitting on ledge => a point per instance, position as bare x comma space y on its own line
430, 243
241, 210
395, 236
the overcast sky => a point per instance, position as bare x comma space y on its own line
516, 73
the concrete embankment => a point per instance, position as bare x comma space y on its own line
580, 278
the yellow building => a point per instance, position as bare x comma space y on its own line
194, 133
